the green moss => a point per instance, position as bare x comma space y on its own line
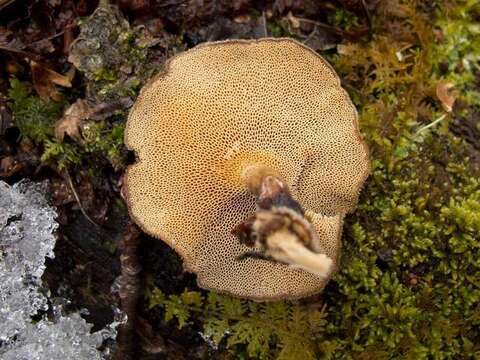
460, 51
64, 154
100, 142
33, 116
343, 19
104, 75
253, 327
277, 29
105, 141
36, 120
427, 247
409, 282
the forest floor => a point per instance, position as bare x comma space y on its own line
409, 283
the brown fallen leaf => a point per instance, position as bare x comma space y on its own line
81, 110
242, 19
45, 79
72, 118
446, 95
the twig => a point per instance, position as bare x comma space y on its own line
47, 38
264, 21
21, 52
77, 198
433, 123
320, 24
129, 292
310, 36
367, 14
5, 3
67, 27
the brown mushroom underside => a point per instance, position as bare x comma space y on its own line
218, 109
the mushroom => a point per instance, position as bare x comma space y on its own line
248, 157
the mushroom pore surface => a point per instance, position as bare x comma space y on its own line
219, 109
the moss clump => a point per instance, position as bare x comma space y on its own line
101, 142
33, 116
277, 29
253, 327
107, 141
408, 286
36, 119
343, 19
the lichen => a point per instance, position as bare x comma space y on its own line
111, 54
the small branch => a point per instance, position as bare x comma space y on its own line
433, 123
47, 38
310, 36
77, 198
129, 292
26, 54
321, 25
264, 23
5, 3
367, 14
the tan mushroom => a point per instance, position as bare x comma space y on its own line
252, 140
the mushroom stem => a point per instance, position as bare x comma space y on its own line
297, 255
269, 188
278, 229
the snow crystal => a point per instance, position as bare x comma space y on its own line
27, 226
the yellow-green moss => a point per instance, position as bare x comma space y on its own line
33, 116
409, 283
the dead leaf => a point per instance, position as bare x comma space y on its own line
61, 193
242, 19
8, 40
134, 5
81, 110
5, 35
393, 8
45, 79
72, 118
446, 95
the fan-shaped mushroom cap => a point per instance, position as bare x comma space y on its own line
217, 110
